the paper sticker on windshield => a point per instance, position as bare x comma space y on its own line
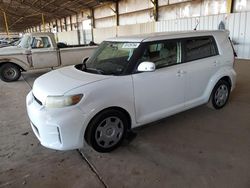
130, 45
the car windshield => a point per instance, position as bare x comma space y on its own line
25, 41
111, 58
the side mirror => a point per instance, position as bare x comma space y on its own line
84, 60
146, 67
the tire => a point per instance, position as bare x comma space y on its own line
220, 95
107, 130
9, 72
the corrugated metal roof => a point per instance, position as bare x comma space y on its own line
22, 14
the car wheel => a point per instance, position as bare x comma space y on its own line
220, 95
107, 130
9, 72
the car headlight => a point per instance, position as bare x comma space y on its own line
62, 101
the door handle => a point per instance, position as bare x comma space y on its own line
215, 63
180, 73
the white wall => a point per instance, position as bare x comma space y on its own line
238, 25
68, 37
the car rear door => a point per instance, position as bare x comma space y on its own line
202, 57
160, 93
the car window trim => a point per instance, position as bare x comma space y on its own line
144, 44
199, 37
182, 41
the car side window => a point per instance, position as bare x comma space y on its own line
197, 48
40, 42
162, 53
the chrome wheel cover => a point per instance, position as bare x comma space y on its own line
9, 73
109, 132
221, 95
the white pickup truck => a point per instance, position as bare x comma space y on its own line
37, 51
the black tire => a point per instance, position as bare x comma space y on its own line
103, 136
9, 72
220, 95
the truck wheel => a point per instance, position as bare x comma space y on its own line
9, 72
107, 130
220, 95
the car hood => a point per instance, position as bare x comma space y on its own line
11, 50
61, 81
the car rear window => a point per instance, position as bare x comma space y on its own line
198, 48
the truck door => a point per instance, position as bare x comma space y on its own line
44, 55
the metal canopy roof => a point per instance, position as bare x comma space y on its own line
22, 14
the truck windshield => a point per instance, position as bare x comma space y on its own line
25, 41
111, 58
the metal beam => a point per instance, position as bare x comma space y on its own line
57, 26
155, 9
78, 32
6, 24
70, 22
61, 29
18, 20
43, 22
65, 24
92, 12
230, 6
16, 11
93, 17
117, 13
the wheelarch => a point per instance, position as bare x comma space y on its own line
21, 68
109, 108
225, 78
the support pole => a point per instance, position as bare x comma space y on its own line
70, 21
155, 9
57, 29
230, 6
6, 24
92, 23
43, 22
117, 13
93, 17
61, 29
78, 31
65, 24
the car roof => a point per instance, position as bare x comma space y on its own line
164, 35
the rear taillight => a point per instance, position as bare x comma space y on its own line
235, 54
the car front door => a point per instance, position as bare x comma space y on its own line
160, 93
43, 54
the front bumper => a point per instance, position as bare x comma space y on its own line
60, 129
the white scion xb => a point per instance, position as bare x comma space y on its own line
128, 82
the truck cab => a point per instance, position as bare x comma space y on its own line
38, 51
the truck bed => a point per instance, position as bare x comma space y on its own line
75, 55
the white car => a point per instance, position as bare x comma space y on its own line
128, 82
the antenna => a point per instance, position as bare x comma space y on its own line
198, 22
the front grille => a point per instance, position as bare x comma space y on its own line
38, 101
